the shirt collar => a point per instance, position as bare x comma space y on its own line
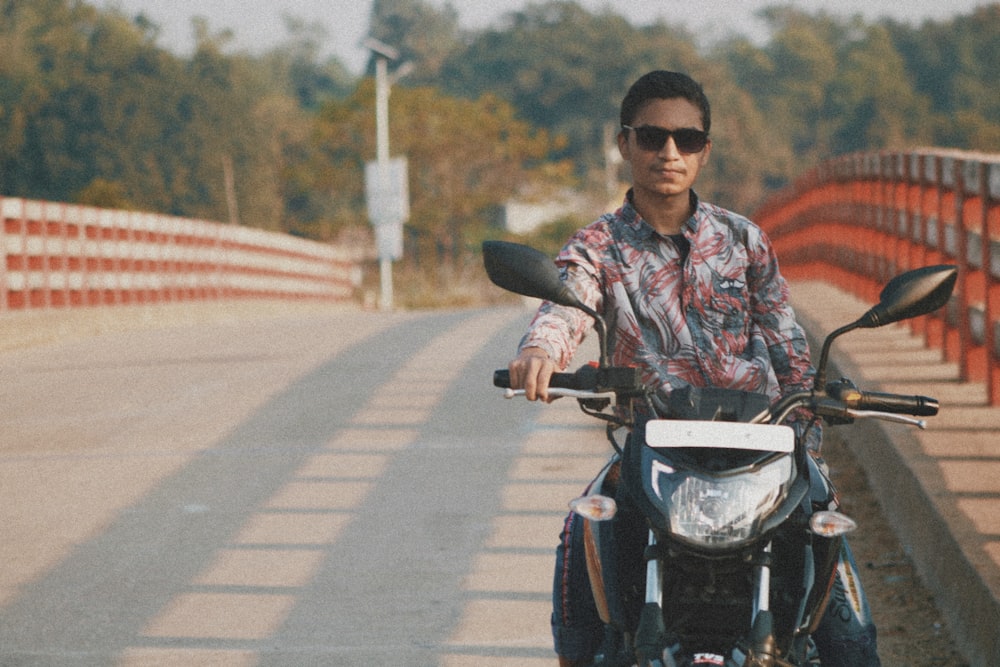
631, 217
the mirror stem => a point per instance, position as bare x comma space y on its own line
819, 381
602, 339
602, 332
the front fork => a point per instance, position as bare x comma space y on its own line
762, 651
651, 636
651, 649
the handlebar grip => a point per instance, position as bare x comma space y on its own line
918, 406
501, 378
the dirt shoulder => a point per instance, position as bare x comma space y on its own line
911, 630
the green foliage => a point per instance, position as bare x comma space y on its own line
874, 100
953, 67
88, 98
295, 67
565, 69
423, 35
464, 158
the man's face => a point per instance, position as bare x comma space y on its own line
666, 171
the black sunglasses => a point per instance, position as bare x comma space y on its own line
652, 138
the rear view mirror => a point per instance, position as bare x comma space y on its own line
911, 294
526, 271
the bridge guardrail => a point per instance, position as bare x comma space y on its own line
860, 219
57, 255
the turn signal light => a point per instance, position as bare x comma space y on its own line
831, 524
595, 507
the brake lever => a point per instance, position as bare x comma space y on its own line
558, 392
889, 417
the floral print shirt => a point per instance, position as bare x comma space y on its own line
718, 317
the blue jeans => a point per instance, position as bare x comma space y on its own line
845, 637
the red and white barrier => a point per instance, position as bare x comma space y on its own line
860, 219
61, 255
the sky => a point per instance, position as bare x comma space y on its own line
258, 24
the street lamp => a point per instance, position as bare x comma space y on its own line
386, 179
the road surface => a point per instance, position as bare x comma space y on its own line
339, 488
343, 489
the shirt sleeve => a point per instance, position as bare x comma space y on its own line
786, 340
559, 330
774, 318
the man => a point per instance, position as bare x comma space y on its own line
693, 296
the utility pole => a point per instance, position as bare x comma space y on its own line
386, 180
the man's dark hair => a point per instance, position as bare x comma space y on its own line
663, 85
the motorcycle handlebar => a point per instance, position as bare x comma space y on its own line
900, 404
846, 395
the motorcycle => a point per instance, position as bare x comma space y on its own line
712, 536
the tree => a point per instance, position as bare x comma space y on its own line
295, 67
792, 85
41, 47
953, 64
423, 35
565, 69
873, 100
466, 158
92, 110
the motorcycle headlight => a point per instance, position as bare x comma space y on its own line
722, 511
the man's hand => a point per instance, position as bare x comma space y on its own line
531, 371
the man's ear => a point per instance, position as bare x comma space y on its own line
705, 153
623, 146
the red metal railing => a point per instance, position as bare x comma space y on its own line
56, 255
859, 220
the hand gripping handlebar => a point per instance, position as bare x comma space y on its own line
501, 378
623, 381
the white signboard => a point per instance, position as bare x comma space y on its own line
387, 194
389, 241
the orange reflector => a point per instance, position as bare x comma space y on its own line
831, 524
595, 508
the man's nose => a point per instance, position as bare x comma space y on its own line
669, 149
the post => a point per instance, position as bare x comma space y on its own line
382, 157
385, 179
382, 112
